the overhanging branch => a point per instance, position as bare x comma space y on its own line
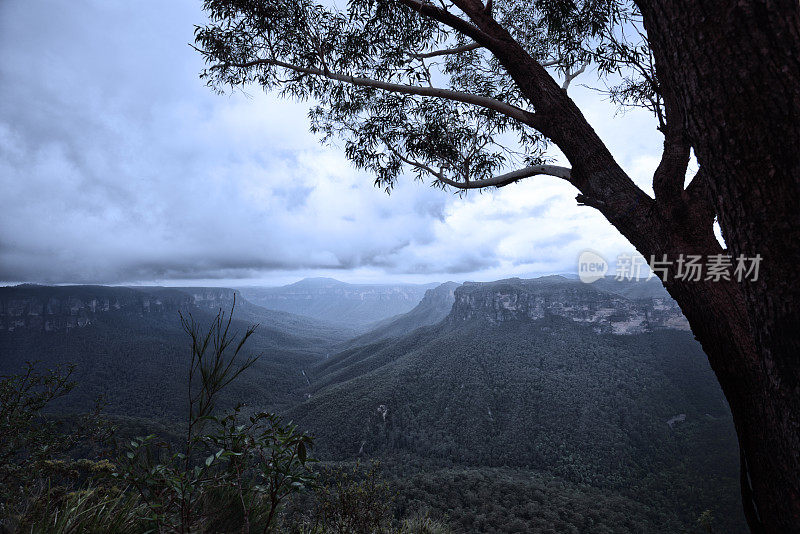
564, 173
447, 18
524, 116
509, 178
449, 51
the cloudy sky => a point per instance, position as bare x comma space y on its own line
117, 165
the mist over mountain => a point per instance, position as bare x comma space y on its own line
512, 342
434, 306
327, 299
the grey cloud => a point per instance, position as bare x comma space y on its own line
294, 197
118, 165
434, 208
547, 250
538, 210
468, 263
557, 240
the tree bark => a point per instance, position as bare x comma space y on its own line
734, 70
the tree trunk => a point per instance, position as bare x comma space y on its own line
719, 320
734, 68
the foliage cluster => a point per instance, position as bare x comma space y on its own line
407, 86
39, 456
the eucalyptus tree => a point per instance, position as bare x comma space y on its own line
461, 91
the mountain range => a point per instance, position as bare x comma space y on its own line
326, 299
537, 375
129, 345
593, 401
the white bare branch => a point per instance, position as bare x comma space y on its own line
569, 76
522, 115
565, 173
448, 51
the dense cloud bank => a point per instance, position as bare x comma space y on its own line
118, 165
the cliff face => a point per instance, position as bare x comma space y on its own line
439, 298
51, 309
608, 307
604, 310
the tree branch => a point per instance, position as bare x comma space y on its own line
584, 200
671, 171
448, 51
498, 181
439, 175
670, 175
427, 9
569, 76
699, 202
524, 116
697, 194
602, 182
509, 178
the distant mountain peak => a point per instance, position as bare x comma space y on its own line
319, 281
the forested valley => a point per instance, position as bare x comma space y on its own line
541, 405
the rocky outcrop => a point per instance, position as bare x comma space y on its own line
45, 308
603, 310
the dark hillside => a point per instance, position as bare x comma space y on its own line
531, 375
128, 344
